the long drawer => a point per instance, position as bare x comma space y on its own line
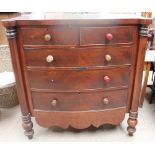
79, 101
107, 56
79, 79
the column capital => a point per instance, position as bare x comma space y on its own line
11, 32
143, 30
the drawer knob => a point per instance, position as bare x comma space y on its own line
52, 81
49, 58
106, 79
108, 57
109, 36
106, 101
54, 102
47, 37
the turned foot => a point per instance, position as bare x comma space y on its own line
28, 125
132, 122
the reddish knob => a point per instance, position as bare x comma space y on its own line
109, 36
106, 79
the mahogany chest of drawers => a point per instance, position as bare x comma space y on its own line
77, 72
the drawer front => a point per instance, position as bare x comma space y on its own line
106, 35
59, 57
55, 79
79, 101
107, 56
51, 36
79, 79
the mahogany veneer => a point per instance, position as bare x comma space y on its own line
77, 72
77, 57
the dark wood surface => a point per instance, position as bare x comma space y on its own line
80, 119
98, 35
66, 35
77, 72
73, 79
132, 121
80, 101
77, 57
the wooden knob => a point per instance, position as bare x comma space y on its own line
47, 37
106, 79
106, 101
49, 58
52, 81
109, 36
54, 102
108, 57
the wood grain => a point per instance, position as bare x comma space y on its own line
79, 101
79, 57
97, 35
65, 35
77, 79
80, 120
80, 87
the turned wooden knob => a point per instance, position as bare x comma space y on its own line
106, 101
49, 58
109, 36
54, 102
52, 81
47, 37
106, 79
108, 57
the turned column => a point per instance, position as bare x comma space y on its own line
133, 114
26, 116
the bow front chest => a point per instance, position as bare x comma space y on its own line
77, 71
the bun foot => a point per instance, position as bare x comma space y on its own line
130, 134
132, 122
28, 126
131, 131
29, 134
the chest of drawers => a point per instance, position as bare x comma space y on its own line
77, 72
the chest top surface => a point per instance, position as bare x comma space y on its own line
61, 18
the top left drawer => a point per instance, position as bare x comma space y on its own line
50, 36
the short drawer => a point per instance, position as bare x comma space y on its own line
107, 56
78, 79
106, 35
50, 36
79, 101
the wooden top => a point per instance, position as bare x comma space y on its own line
97, 18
